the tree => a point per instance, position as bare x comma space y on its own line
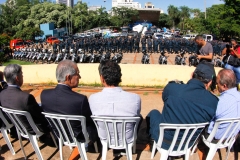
123, 16
164, 20
174, 14
29, 33
184, 14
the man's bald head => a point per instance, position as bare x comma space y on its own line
227, 77
64, 68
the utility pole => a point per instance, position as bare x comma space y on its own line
205, 9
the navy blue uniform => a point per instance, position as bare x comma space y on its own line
183, 104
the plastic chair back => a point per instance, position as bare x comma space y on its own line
111, 126
189, 133
228, 138
6, 126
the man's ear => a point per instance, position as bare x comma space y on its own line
67, 78
208, 84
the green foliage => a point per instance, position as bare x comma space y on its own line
14, 61
29, 33
123, 16
4, 39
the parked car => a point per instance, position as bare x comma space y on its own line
52, 40
189, 36
158, 35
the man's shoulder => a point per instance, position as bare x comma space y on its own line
46, 92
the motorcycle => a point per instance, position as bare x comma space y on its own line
81, 56
193, 60
162, 59
52, 57
218, 62
117, 57
74, 57
40, 55
145, 57
180, 59
59, 56
46, 56
105, 57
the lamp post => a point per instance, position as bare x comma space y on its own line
205, 9
104, 3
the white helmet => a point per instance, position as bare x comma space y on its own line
63, 50
71, 50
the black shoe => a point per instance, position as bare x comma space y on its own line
119, 152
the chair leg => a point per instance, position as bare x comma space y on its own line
60, 147
129, 151
6, 138
33, 140
153, 149
104, 150
211, 152
134, 147
187, 154
20, 141
82, 151
164, 154
54, 140
95, 147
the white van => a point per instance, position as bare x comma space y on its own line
207, 37
189, 36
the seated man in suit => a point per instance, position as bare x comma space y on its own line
14, 98
185, 104
62, 100
112, 100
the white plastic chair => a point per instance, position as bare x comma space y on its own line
63, 138
183, 148
6, 126
22, 131
227, 139
113, 121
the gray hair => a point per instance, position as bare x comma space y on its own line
64, 68
11, 71
227, 77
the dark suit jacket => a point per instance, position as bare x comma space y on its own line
62, 100
15, 98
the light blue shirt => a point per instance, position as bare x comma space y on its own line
115, 102
228, 107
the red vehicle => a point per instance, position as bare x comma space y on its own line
16, 43
52, 40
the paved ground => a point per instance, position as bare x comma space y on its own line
151, 99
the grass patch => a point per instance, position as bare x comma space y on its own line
15, 61
159, 86
95, 84
145, 93
50, 83
156, 92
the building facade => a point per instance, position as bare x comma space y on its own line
68, 3
126, 3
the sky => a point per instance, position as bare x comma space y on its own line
162, 4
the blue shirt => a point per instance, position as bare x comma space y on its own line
228, 107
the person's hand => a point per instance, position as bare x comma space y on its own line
199, 56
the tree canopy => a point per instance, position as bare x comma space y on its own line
21, 18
